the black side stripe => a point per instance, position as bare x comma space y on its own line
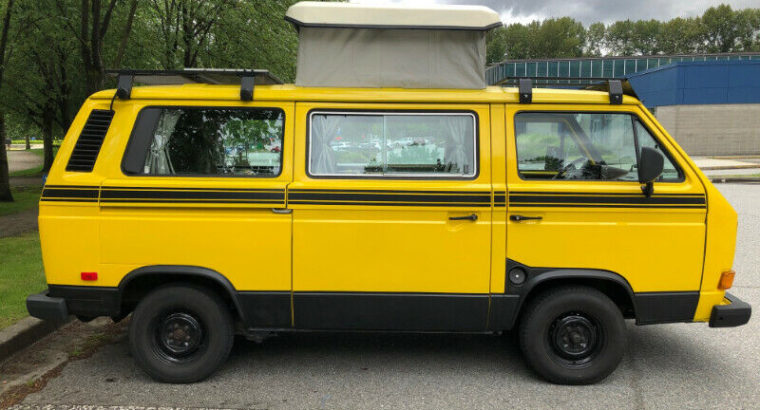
211, 196
545, 193
500, 199
390, 198
75, 193
613, 200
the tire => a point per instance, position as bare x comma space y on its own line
180, 333
572, 335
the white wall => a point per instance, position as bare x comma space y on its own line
719, 129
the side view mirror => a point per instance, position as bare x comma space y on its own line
651, 164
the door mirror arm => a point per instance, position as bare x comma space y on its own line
648, 189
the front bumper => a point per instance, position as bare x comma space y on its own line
736, 313
45, 307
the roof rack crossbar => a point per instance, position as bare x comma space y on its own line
246, 79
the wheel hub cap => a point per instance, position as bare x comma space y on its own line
574, 336
180, 334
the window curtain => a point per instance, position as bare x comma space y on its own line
158, 161
324, 128
458, 151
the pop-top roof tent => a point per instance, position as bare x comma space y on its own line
359, 45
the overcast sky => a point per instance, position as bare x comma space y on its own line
588, 11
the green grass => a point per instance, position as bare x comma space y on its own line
21, 274
24, 197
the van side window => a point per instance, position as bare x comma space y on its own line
189, 141
580, 146
392, 144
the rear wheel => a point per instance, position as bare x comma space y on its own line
573, 335
180, 333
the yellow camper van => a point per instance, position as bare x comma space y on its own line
236, 205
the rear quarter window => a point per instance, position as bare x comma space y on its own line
206, 141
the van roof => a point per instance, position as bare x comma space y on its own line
319, 14
290, 92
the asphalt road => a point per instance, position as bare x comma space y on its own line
666, 366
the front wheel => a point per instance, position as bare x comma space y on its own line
573, 335
180, 333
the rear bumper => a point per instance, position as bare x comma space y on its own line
48, 308
736, 313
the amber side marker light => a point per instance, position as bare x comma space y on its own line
726, 280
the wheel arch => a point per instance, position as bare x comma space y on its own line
137, 283
611, 284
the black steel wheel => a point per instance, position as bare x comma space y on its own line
180, 333
572, 335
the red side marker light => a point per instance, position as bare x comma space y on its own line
89, 275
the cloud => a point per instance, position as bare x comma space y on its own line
587, 11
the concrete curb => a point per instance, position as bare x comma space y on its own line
734, 180
23, 333
726, 167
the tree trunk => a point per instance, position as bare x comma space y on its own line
5, 182
28, 143
5, 185
47, 141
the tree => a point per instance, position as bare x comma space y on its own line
562, 37
5, 183
254, 34
496, 45
679, 36
645, 36
721, 29
45, 62
93, 27
186, 27
595, 40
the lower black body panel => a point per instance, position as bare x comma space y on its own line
88, 301
390, 311
265, 309
665, 307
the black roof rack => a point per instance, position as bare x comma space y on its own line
246, 79
616, 87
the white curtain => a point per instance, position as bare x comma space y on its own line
158, 161
324, 128
458, 154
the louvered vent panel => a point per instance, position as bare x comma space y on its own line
88, 145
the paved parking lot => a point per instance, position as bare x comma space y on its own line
668, 366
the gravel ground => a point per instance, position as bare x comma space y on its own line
666, 366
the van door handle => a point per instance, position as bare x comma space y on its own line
282, 210
471, 217
520, 218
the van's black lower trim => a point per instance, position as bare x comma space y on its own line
665, 307
390, 311
381, 311
88, 301
266, 309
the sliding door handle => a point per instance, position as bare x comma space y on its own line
472, 217
520, 218
282, 210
